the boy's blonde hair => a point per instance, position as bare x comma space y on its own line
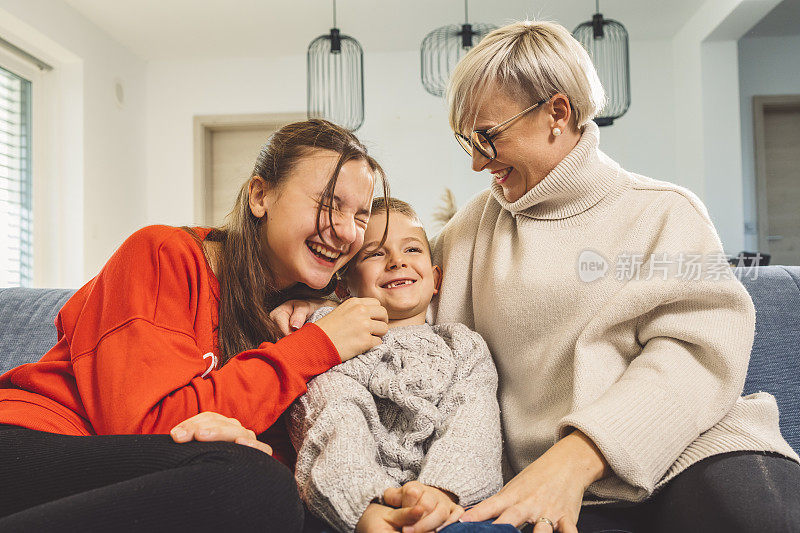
532, 60
394, 205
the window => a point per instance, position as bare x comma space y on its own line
16, 187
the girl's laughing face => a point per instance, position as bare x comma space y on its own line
294, 251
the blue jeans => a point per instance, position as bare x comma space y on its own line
739, 492
315, 525
479, 527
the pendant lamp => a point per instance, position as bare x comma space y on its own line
606, 41
443, 47
336, 78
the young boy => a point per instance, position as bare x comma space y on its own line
420, 408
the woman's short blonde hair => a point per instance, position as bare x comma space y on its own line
532, 60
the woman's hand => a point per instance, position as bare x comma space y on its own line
356, 326
439, 508
208, 426
550, 487
382, 519
292, 314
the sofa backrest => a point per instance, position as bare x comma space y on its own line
27, 331
775, 359
27, 323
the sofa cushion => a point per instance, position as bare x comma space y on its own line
27, 323
775, 359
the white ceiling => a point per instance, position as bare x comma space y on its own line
182, 29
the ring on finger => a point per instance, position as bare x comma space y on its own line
546, 521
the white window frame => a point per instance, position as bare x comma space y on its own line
48, 270
33, 74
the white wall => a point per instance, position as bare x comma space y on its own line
643, 140
722, 167
96, 157
767, 66
705, 116
122, 167
405, 127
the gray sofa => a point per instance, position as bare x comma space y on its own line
27, 332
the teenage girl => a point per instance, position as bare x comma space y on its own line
176, 325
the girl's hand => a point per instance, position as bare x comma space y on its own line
382, 519
292, 314
550, 487
356, 326
439, 508
208, 427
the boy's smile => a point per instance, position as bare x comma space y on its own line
398, 283
398, 274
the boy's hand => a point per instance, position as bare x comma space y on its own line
382, 519
439, 507
292, 314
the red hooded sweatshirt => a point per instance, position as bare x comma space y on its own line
137, 353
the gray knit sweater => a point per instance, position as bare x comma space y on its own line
422, 405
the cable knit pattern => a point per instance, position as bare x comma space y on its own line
649, 364
422, 405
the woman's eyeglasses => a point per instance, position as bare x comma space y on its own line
481, 140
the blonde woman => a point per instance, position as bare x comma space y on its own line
620, 375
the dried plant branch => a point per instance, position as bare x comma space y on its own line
446, 211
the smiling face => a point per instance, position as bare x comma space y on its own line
292, 248
398, 274
526, 148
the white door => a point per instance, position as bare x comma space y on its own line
225, 149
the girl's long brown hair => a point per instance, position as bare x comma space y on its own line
247, 287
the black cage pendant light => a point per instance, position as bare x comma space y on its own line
443, 47
336, 78
606, 41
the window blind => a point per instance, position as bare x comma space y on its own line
16, 198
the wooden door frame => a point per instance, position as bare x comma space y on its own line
204, 127
762, 104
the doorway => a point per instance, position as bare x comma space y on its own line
776, 123
225, 148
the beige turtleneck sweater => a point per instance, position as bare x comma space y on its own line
649, 366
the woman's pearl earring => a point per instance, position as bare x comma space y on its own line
556, 132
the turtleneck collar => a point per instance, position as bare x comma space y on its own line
583, 178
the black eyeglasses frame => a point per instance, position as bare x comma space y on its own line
488, 134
